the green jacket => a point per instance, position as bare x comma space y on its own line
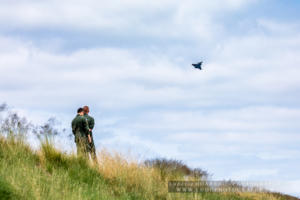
80, 126
90, 120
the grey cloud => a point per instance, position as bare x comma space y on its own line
150, 98
89, 23
3, 107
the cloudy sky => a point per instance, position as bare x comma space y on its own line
130, 61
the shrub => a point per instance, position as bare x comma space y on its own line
175, 169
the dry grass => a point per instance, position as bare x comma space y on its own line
123, 170
50, 174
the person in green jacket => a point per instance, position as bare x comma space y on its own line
81, 131
91, 122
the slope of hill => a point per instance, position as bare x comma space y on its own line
51, 174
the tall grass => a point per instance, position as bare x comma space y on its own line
129, 175
48, 173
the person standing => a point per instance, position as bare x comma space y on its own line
91, 123
80, 129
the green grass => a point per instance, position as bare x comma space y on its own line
7, 191
47, 174
50, 174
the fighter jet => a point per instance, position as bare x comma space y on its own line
198, 66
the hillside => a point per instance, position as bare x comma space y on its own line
51, 174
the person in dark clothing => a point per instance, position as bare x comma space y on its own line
81, 131
91, 123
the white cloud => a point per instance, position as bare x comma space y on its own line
253, 174
279, 154
277, 27
166, 19
287, 187
243, 105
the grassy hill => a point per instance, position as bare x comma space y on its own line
51, 174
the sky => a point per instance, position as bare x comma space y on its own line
130, 61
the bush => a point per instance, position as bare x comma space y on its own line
174, 168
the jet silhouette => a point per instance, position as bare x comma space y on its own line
198, 66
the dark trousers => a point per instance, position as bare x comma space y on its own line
91, 149
82, 145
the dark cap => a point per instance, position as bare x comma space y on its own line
80, 110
